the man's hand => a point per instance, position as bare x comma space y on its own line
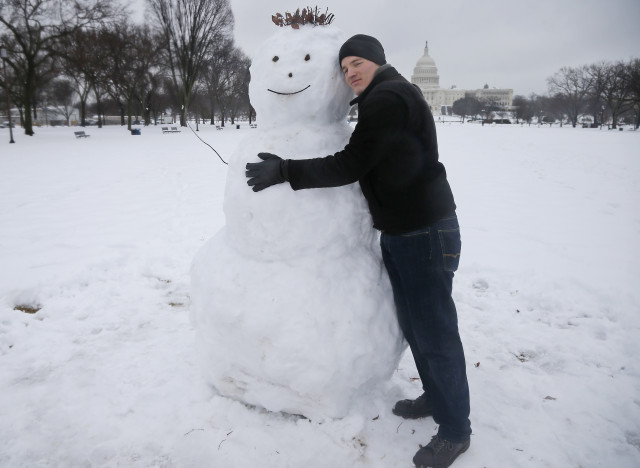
270, 171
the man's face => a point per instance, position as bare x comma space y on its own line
358, 72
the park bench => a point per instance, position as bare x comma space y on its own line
253, 126
218, 127
173, 130
81, 134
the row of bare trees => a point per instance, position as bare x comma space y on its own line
88, 54
598, 93
611, 88
31, 32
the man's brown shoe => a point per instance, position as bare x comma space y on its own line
439, 453
421, 407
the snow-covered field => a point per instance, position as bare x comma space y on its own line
99, 233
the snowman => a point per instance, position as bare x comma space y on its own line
291, 304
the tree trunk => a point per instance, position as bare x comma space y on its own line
146, 112
129, 108
183, 120
28, 97
223, 115
99, 109
213, 113
83, 113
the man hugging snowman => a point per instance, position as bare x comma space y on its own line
393, 154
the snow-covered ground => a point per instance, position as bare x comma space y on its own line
99, 234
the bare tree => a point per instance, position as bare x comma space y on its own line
83, 61
215, 76
9, 81
467, 106
595, 102
539, 106
524, 109
571, 86
77, 63
488, 105
117, 42
131, 62
163, 99
147, 48
236, 93
61, 96
199, 103
190, 28
616, 91
240, 86
634, 86
36, 27
556, 107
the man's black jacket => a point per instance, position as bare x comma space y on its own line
393, 153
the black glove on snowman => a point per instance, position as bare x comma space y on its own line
270, 171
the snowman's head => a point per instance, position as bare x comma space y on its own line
296, 77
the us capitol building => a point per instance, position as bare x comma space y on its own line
425, 76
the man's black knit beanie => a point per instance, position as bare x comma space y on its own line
363, 46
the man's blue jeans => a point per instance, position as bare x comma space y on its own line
421, 266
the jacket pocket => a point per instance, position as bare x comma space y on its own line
451, 244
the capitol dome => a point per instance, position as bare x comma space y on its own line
425, 73
425, 76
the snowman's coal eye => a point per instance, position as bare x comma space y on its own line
307, 57
275, 58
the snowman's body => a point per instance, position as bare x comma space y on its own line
291, 303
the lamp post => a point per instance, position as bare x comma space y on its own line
3, 56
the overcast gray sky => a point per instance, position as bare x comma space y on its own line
505, 43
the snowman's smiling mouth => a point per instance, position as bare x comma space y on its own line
288, 94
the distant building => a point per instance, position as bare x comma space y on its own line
425, 75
